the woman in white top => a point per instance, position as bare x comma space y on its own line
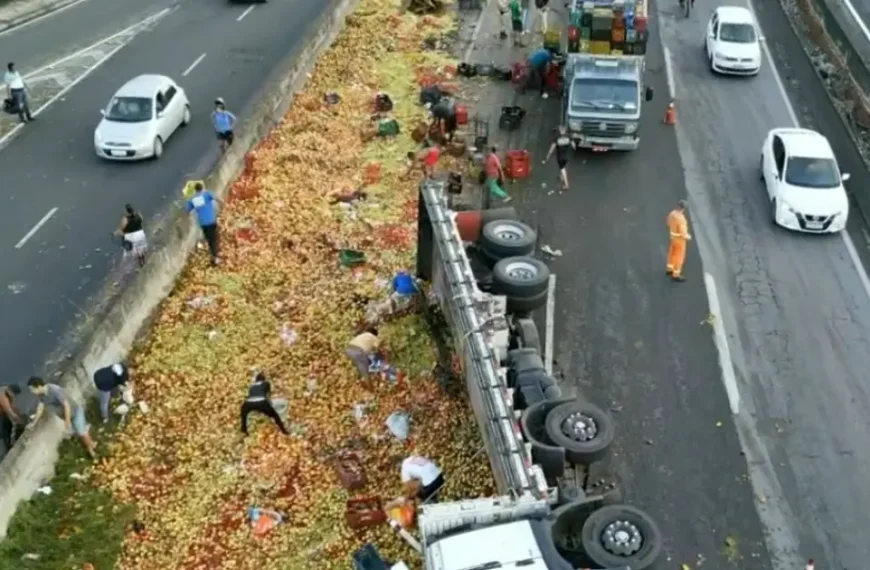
132, 229
422, 478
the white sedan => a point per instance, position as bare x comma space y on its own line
803, 182
732, 42
140, 118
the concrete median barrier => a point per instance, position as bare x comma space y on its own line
31, 461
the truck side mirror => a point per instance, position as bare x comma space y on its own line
648, 95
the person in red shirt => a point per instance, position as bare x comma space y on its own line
494, 175
427, 159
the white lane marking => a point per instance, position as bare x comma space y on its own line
193, 65
858, 19
549, 324
127, 30
467, 56
40, 18
669, 71
35, 228
721, 341
246, 12
847, 239
8, 136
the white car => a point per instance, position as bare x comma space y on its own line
732, 42
803, 182
140, 118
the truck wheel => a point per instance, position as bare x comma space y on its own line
524, 306
507, 238
584, 430
520, 278
524, 360
621, 536
527, 332
525, 396
552, 393
550, 457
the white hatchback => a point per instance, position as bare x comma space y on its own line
732, 42
803, 182
140, 118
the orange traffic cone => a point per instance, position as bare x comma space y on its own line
671, 114
811, 564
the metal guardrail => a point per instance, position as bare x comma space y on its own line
443, 262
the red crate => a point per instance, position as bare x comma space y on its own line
640, 23
518, 164
461, 115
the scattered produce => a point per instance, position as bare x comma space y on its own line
283, 303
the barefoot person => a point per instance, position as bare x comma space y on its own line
72, 414
562, 147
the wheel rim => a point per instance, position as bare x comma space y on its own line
509, 232
622, 538
580, 427
521, 270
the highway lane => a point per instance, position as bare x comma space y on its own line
54, 276
797, 311
57, 36
630, 340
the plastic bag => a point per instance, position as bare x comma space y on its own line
399, 424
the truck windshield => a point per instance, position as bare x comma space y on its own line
611, 95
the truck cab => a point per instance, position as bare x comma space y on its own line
602, 100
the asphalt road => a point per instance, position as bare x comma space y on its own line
784, 480
51, 281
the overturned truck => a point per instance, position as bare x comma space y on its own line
554, 511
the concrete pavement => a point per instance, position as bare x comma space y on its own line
795, 311
50, 283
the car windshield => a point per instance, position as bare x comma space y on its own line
130, 110
737, 33
812, 172
611, 95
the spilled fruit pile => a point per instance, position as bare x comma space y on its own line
281, 302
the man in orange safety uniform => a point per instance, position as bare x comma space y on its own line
679, 229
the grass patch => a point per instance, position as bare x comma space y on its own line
77, 524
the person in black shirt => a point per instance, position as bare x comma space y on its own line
259, 400
444, 116
109, 380
133, 233
562, 146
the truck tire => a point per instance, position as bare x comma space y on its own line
621, 536
527, 331
551, 458
525, 396
520, 277
507, 238
552, 393
584, 430
520, 306
524, 360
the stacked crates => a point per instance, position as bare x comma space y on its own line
608, 27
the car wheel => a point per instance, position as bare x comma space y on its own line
185, 118
773, 212
761, 168
158, 148
520, 277
621, 536
507, 238
584, 430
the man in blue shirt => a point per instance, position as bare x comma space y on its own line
223, 122
538, 62
204, 203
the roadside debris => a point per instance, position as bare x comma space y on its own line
551, 252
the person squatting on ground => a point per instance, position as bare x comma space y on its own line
17, 91
72, 414
679, 235
132, 231
562, 146
259, 399
110, 381
426, 160
205, 204
421, 479
362, 348
223, 122
538, 62
494, 175
444, 117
